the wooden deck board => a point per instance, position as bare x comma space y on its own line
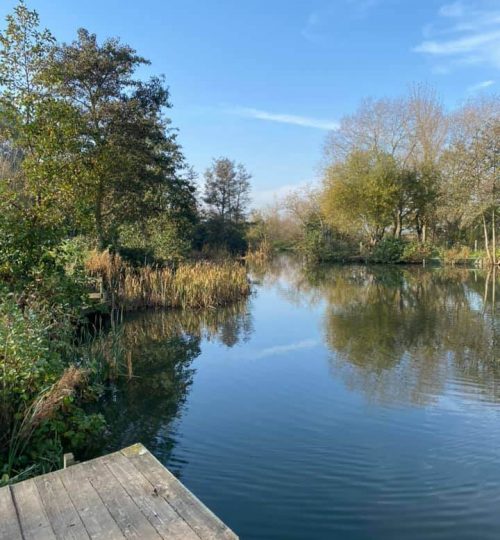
63, 517
200, 518
9, 524
35, 524
162, 516
93, 512
127, 494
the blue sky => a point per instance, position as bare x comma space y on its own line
262, 81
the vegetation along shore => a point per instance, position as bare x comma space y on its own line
99, 210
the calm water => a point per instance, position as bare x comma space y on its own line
350, 403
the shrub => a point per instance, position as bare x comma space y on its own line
455, 254
416, 252
39, 391
389, 250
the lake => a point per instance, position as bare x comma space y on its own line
350, 402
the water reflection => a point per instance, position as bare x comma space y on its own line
154, 373
400, 334
329, 405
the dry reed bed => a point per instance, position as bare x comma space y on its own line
190, 285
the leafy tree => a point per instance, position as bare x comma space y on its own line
24, 50
227, 189
129, 157
226, 196
361, 194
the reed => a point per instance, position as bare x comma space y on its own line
192, 285
261, 254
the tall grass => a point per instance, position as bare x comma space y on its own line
261, 254
192, 285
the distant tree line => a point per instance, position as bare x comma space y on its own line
402, 171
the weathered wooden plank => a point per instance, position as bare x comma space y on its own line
9, 524
63, 517
156, 509
119, 504
34, 522
192, 510
93, 512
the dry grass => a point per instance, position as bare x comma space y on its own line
46, 405
262, 254
196, 285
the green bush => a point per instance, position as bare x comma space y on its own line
416, 252
389, 251
42, 384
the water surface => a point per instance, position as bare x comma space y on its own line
351, 402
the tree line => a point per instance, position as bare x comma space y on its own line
403, 170
86, 148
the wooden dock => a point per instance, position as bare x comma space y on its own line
128, 494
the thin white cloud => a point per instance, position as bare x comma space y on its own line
319, 23
480, 86
456, 9
296, 120
464, 33
466, 44
283, 349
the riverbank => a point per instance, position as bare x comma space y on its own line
55, 362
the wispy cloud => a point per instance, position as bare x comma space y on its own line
296, 120
319, 23
464, 33
283, 349
480, 86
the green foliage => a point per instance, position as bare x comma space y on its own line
39, 406
227, 189
158, 240
215, 234
361, 193
389, 250
416, 252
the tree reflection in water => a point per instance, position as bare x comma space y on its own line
155, 372
401, 333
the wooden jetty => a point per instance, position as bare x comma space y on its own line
127, 494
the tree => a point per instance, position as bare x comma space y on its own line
129, 157
32, 212
24, 50
227, 190
361, 195
471, 165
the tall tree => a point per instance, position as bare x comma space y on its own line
129, 155
471, 169
24, 50
227, 190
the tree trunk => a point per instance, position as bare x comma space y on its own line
493, 238
486, 240
398, 227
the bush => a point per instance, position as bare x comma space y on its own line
416, 252
40, 390
455, 254
389, 251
